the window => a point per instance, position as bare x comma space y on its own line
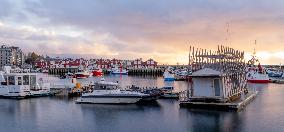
19, 80
4, 83
11, 80
26, 79
33, 82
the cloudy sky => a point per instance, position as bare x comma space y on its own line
129, 29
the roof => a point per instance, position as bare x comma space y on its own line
206, 72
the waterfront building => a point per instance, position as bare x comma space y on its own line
47, 63
150, 63
11, 56
137, 64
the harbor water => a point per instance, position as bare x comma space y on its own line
58, 114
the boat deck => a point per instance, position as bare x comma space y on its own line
235, 106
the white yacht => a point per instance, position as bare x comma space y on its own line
109, 93
21, 85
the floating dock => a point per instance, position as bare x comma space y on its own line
237, 105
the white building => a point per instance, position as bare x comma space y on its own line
207, 83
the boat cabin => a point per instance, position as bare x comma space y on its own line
19, 79
103, 85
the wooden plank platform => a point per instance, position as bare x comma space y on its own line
233, 106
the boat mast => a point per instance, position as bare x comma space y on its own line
228, 36
254, 48
189, 68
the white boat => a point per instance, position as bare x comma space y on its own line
21, 85
274, 72
182, 73
256, 74
109, 93
168, 76
120, 70
44, 70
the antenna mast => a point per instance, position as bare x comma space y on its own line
228, 36
254, 52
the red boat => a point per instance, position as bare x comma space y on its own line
98, 72
82, 74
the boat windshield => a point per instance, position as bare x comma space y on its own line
26, 80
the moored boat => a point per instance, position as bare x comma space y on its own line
256, 74
168, 76
21, 85
98, 72
120, 71
274, 73
44, 70
82, 74
109, 93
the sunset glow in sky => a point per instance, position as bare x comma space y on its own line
130, 29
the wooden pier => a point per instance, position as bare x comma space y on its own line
62, 71
157, 72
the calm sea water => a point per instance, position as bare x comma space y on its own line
58, 114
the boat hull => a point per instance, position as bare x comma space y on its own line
169, 79
39, 93
108, 100
97, 73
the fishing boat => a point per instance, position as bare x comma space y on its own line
109, 93
98, 72
82, 74
21, 85
256, 74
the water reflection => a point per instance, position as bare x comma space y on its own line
265, 113
199, 120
